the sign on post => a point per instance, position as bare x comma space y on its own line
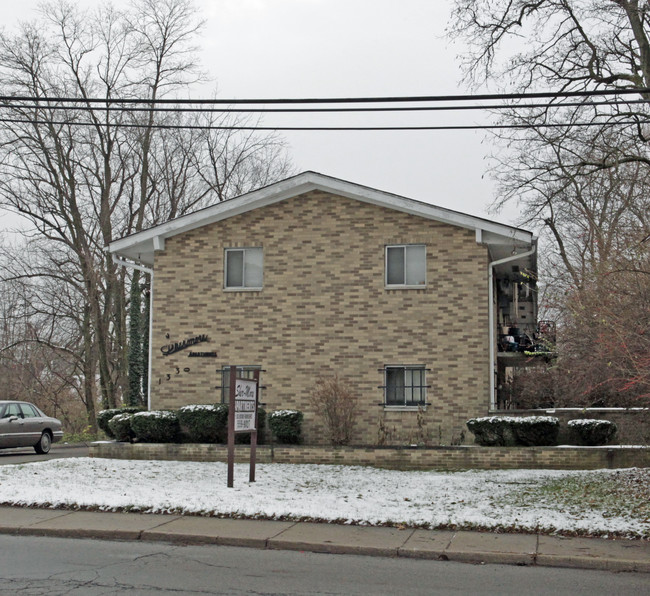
245, 405
242, 418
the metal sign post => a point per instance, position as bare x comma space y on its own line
242, 418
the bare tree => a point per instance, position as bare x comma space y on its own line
81, 178
579, 169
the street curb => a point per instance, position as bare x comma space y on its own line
530, 559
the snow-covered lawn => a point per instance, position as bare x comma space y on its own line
614, 502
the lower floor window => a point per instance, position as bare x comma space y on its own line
405, 386
243, 372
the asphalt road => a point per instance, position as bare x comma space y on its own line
57, 566
27, 454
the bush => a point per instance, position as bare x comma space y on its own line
492, 431
209, 424
286, 425
204, 423
536, 430
104, 417
334, 401
155, 426
591, 432
120, 426
505, 431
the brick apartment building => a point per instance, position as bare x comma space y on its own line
409, 303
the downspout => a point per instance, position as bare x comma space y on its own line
491, 316
148, 270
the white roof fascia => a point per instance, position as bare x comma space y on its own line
153, 238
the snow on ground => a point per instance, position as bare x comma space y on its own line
509, 499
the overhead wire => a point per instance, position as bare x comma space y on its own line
336, 100
91, 105
319, 128
227, 110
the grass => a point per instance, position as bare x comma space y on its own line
623, 493
85, 436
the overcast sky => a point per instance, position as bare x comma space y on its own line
348, 48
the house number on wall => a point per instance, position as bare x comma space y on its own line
173, 347
168, 376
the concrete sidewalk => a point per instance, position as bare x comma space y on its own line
470, 547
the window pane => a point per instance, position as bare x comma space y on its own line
405, 386
28, 411
234, 268
415, 265
245, 372
395, 265
408, 385
416, 382
395, 386
12, 410
253, 268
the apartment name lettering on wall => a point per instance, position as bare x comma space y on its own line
181, 345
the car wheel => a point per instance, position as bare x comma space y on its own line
44, 443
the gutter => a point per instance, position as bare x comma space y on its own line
491, 316
148, 270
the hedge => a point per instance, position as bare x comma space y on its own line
493, 431
209, 424
157, 426
104, 417
591, 432
286, 425
120, 426
204, 423
505, 431
536, 431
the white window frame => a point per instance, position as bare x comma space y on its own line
404, 285
244, 287
406, 405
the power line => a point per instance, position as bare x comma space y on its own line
321, 128
545, 105
336, 100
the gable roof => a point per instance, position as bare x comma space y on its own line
141, 246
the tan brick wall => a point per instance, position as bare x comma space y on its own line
324, 308
436, 458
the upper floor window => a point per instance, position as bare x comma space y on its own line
244, 268
406, 265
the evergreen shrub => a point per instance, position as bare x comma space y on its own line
104, 417
536, 431
505, 431
120, 426
492, 431
286, 425
156, 426
591, 432
202, 423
